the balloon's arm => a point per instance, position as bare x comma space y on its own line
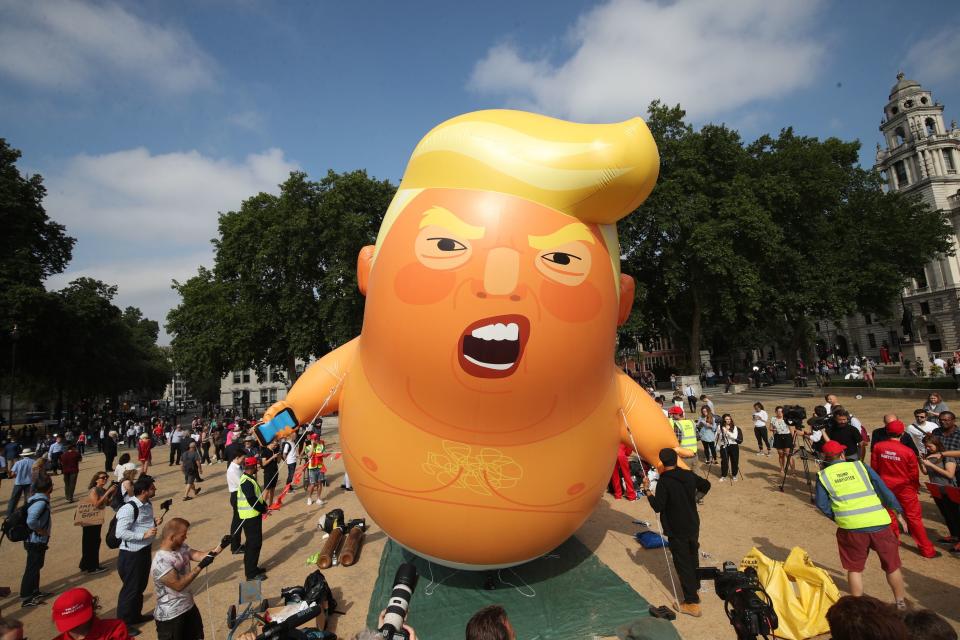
317, 391
641, 418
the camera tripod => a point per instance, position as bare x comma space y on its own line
805, 455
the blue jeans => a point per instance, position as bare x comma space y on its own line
18, 490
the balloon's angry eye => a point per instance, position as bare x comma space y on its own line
448, 244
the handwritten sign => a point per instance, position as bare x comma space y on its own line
87, 515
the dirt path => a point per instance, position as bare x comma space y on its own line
735, 518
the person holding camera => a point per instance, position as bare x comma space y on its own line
707, 426
136, 530
729, 439
942, 471
176, 614
99, 496
853, 495
839, 429
760, 428
676, 499
782, 438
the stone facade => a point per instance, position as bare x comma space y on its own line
922, 156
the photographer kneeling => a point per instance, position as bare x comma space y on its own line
176, 614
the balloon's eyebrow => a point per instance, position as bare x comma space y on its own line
438, 216
570, 233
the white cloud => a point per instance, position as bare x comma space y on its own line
937, 56
250, 120
59, 44
171, 198
709, 56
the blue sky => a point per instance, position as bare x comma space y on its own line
148, 118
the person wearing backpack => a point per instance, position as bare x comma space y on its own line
136, 529
22, 473
39, 521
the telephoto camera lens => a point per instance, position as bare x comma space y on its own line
403, 586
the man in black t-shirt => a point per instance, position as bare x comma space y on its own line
843, 432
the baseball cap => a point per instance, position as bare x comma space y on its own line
675, 410
249, 461
314, 436
895, 427
72, 609
833, 448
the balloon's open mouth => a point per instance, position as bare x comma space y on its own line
492, 347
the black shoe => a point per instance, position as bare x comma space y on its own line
133, 632
348, 488
238, 551
259, 576
261, 570
33, 601
43, 594
97, 570
147, 617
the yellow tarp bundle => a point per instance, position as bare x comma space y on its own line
801, 592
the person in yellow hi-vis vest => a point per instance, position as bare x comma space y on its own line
686, 433
316, 470
854, 496
250, 507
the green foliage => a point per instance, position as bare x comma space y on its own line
74, 342
284, 281
742, 245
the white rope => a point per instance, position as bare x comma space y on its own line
532, 594
302, 436
432, 585
633, 442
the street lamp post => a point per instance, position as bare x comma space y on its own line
14, 336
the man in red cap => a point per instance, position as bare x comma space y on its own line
686, 433
853, 495
897, 466
251, 507
74, 614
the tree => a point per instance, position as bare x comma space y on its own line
284, 283
840, 250
695, 246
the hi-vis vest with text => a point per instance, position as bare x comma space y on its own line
244, 508
854, 502
688, 434
314, 459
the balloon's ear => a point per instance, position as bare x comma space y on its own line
627, 289
364, 262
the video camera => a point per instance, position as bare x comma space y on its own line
318, 596
794, 415
746, 603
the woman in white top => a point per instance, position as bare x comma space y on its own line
728, 440
782, 437
760, 418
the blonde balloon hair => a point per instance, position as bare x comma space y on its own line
596, 173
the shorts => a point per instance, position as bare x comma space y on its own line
315, 476
854, 547
782, 441
190, 477
185, 625
272, 479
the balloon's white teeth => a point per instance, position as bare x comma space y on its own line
488, 365
498, 331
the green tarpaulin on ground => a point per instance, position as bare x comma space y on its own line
567, 593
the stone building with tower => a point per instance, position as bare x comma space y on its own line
920, 155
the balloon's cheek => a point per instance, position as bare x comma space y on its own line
581, 303
416, 284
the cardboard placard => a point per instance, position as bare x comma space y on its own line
87, 515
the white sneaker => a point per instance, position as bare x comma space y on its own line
723, 479
759, 453
733, 479
309, 501
319, 502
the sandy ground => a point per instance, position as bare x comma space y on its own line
735, 518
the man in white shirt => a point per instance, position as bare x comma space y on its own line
175, 438
691, 394
920, 428
234, 471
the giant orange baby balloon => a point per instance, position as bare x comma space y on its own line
480, 408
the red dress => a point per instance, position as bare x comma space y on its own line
143, 449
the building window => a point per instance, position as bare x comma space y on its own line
872, 341
236, 377
275, 374
931, 126
273, 396
932, 329
867, 319
246, 375
237, 398
263, 396
948, 161
921, 279
901, 136
816, 325
936, 345
924, 308
901, 171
